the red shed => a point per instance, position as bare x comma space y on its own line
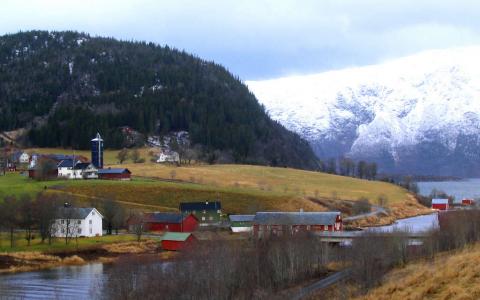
176, 241
175, 222
440, 204
468, 202
114, 174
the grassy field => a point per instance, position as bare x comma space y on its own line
241, 188
58, 244
449, 276
15, 184
275, 181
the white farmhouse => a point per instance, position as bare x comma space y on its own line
24, 158
78, 222
168, 156
76, 170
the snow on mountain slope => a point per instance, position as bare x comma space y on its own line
419, 114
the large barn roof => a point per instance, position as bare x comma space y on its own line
439, 201
165, 217
241, 218
207, 205
296, 218
113, 171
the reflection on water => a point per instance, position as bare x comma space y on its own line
414, 224
74, 282
468, 188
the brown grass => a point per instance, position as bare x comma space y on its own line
450, 276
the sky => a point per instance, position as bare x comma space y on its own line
263, 39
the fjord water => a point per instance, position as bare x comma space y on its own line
466, 188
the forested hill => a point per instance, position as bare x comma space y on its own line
65, 86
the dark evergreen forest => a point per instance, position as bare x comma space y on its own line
65, 86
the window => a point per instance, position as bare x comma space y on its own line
204, 211
219, 212
203, 218
63, 230
62, 222
90, 222
91, 231
79, 231
93, 213
325, 227
79, 222
210, 218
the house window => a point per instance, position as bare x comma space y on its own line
90, 222
218, 211
62, 222
325, 227
210, 218
204, 211
63, 230
79, 231
93, 213
203, 218
91, 231
79, 222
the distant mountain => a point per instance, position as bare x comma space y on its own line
419, 114
63, 87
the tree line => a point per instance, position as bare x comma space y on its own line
345, 166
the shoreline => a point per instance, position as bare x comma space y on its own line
17, 262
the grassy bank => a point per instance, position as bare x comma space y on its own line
449, 276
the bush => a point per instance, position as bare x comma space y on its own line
361, 206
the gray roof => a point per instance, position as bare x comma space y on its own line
296, 218
73, 212
66, 163
113, 171
165, 217
241, 218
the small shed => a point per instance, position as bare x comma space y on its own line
241, 223
174, 222
114, 174
176, 241
468, 202
440, 204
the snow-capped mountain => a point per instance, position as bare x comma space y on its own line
418, 114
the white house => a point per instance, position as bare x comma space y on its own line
24, 158
168, 156
78, 222
66, 169
76, 170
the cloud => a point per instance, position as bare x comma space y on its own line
263, 39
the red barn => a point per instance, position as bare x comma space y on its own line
440, 204
114, 174
279, 223
175, 222
176, 241
468, 202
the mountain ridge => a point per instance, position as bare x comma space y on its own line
65, 86
418, 114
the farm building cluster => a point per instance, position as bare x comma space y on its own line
75, 166
178, 227
443, 204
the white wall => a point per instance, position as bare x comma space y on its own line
89, 227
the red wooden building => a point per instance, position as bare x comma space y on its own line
468, 202
279, 223
175, 222
175, 241
440, 204
114, 174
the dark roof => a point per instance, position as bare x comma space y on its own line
66, 163
296, 218
81, 166
114, 171
241, 218
164, 217
73, 212
207, 205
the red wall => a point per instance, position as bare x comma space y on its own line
190, 224
177, 245
122, 176
278, 229
440, 206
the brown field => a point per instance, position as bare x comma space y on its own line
279, 181
450, 276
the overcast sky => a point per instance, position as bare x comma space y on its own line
264, 39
